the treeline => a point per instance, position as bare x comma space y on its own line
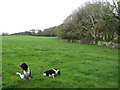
49, 32
90, 23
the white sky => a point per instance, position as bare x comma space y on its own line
23, 15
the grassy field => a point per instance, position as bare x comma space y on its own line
0, 62
82, 66
0, 74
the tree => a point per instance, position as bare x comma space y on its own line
39, 33
5, 34
90, 23
32, 32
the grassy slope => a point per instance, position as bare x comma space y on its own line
0, 73
82, 66
0, 62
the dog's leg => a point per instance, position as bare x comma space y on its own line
53, 75
18, 73
30, 75
21, 76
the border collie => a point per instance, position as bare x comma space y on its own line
26, 72
51, 73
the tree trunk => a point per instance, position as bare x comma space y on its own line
105, 37
95, 40
109, 38
112, 36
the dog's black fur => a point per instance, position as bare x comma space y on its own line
26, 71
52, 72
24, 66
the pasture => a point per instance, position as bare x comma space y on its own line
0, 62
0, 73
82, 66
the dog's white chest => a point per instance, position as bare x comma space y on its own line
26, 72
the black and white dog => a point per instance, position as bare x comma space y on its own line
26, 72
51, 73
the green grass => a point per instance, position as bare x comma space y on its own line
0, 74
0, 63
82, 66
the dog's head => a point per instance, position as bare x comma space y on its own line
23, 66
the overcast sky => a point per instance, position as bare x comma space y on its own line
23, 15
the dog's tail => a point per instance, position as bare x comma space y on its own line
44, 74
